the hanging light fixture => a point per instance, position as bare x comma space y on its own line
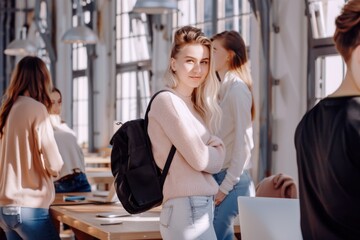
155, 6
80, 33
22, 46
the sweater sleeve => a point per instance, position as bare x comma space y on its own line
201, 150
51, 157
240, 102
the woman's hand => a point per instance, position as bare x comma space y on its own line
219, 197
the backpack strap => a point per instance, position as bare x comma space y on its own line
167, 165
173, 148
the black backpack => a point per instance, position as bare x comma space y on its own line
138, 180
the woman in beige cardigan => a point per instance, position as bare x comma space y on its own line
29, 156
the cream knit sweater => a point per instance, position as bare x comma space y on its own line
236, 130
173, 120
29, 157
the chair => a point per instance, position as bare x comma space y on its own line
269, 218
278, 185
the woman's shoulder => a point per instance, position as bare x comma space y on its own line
166, 97
236, 83
353, 109
168, 103
33, 105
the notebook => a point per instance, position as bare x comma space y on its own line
269, 218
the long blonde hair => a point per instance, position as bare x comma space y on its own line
234, 43
205, 96
30, 76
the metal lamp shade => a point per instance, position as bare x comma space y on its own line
155, 6
80, 34
20, 47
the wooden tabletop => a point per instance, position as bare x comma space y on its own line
83, 218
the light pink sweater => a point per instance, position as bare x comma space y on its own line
173, 120
29, 156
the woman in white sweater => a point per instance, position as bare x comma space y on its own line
29, 156
72, 176
236, 102
187, 117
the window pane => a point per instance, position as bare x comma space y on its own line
329, 73
132, 95
133, 60
79, 55
80, 109
322, 16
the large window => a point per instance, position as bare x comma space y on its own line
133, 63
325, 67
214, 16
134, 42
80, 101
235, 15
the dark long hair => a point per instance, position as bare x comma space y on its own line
32, 77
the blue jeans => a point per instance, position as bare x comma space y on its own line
76, 182
27, 223
227, 211
188, 218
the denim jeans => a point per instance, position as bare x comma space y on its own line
76, 182
188, 218
227, 211
27, 223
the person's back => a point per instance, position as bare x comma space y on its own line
23, 182
29, 156
327, 141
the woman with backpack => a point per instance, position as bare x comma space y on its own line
188, 117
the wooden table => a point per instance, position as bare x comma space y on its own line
81, 217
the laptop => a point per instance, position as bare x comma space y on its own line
104, 196
269, 218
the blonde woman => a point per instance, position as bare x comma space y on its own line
188, 117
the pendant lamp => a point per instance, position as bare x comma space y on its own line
22, 46
80, 33
155, 6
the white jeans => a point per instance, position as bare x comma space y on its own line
188, 218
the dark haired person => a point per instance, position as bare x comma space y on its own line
327, 141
